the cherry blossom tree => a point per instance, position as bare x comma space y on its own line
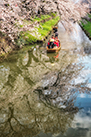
72, 11
18, 10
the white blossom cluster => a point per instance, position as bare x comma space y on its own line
13, 11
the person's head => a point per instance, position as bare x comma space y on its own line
56, 38
52, 40
56, 34
52, 36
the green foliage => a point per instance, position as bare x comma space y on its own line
87, 27
45, 16
89, 15
53, 14
42, 17
21, 26
20, 41
27, 22
46, 27
2, 34
37, 19
28, 38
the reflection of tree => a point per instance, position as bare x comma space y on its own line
63, 92
21, 111
34, 119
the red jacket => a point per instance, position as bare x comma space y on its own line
57, 43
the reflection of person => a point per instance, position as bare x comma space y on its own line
56, 56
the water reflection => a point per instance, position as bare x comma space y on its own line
21, 111
46, 95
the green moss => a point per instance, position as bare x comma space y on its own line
29, 38
45, 16
26, 38
46, 27
89, 15
37, 19
42, 17
21, 26
87, 27
27, 22
53, 14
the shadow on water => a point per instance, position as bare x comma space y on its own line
46, 95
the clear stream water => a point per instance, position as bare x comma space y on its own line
47, 95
